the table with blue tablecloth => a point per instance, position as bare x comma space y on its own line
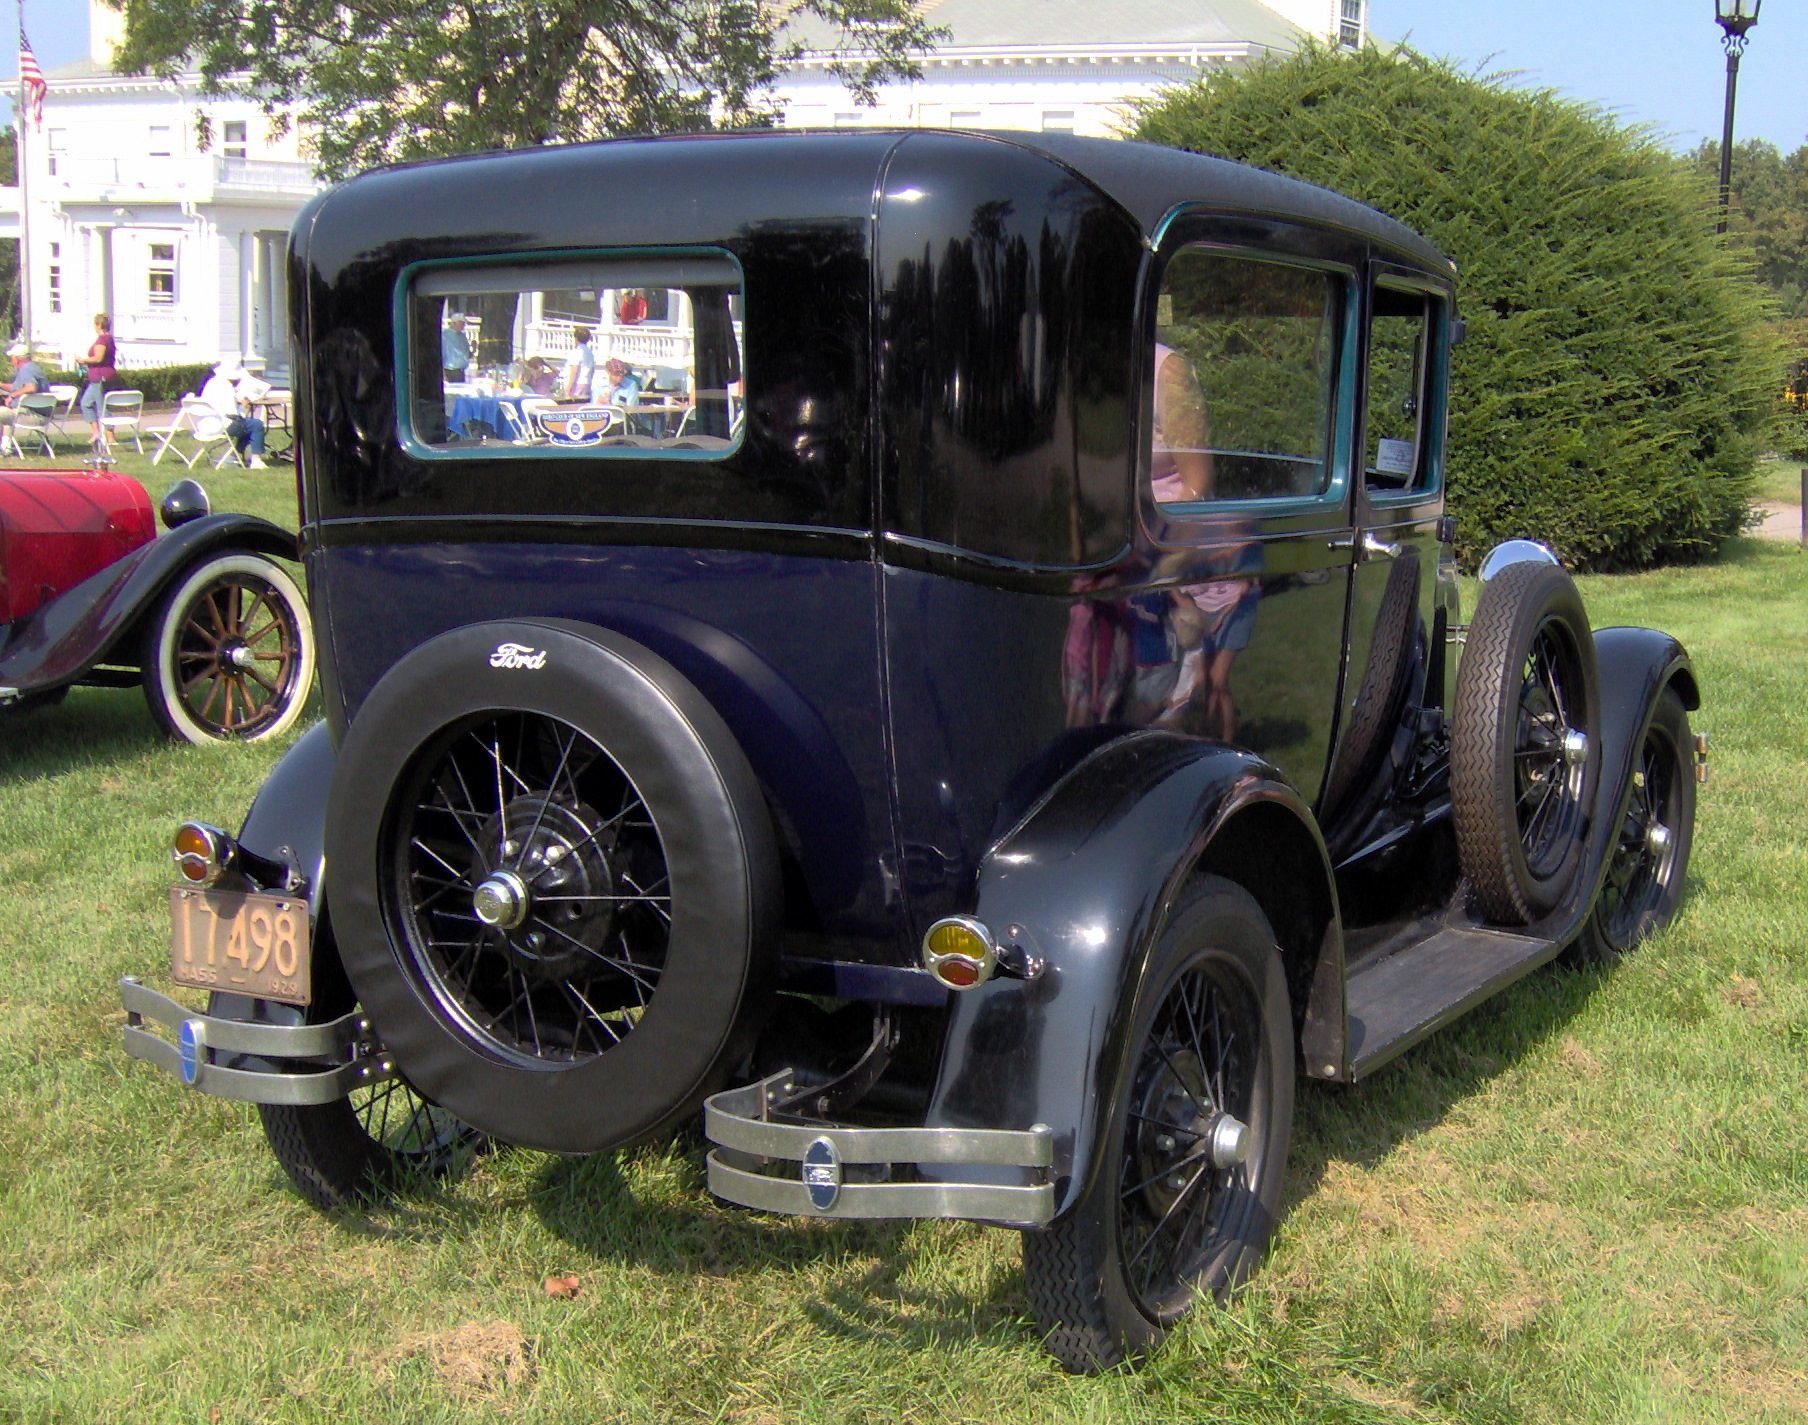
487, 409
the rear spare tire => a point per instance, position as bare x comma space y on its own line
555, 882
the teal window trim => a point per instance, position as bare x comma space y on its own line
402, 358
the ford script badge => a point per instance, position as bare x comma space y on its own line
517, 655
822, 1174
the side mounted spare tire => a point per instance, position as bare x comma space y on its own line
554, 882
1524, 754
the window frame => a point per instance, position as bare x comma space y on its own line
405, 367
155, 267
1174, 238
1435, 376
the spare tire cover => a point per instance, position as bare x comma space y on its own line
512, 944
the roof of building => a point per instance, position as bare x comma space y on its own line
1076, 24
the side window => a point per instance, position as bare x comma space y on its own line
1245, 378
622, 356
1401, 334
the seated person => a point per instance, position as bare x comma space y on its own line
230, 390
622, 386
1182, 467
28, 380
537, 377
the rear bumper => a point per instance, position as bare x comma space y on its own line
994, 1175
336, 1057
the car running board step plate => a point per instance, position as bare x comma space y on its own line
1396, 1001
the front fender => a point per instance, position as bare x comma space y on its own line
1635, 665
94, 622
1085, 882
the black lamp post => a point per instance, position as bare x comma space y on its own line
1735, 17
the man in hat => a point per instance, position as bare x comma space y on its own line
28, 379
454, 348
230, 390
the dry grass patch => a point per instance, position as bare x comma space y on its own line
475, 1362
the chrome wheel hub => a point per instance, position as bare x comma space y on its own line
501, 900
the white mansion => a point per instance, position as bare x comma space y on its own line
126, 212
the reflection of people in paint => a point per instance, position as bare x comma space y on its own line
1186, 636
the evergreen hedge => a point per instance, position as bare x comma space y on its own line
1615, 389
160, 384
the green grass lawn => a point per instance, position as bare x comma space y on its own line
1780, 480
1586, 1202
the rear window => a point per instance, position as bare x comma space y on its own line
628, 355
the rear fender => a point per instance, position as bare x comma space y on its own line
287, 824
1085, 882
97, 621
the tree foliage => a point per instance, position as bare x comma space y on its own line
1768, 214
1614, 391
385, 80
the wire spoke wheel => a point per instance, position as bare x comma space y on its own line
1549, 754
1191, 1157
530, 887
1195, 1080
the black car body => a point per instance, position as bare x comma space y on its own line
1035, 582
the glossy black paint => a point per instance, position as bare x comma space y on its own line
1083, 882
98, 620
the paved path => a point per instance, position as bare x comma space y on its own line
1780, 521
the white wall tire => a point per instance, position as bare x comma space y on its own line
229, 652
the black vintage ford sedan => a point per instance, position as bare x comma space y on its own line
941, 650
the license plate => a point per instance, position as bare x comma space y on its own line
240, 942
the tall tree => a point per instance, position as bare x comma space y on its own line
1768, 214
384, 80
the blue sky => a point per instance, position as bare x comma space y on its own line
1657, 62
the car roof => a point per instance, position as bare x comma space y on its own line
1152, 180
1149, 181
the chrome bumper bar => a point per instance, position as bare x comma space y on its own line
200, 1037
748, 1139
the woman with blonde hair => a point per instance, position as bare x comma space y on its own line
102, 363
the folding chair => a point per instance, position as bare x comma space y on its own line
208, 427
182, 423
518, 429
121, 414
34, 417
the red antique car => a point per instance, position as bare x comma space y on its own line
214, 629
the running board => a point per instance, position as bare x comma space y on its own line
1396, 1001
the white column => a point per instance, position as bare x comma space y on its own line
247, 292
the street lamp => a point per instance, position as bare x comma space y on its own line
1735, 17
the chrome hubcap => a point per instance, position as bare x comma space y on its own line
501, 900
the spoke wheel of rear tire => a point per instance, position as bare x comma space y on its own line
1644, 878
1523, 753
229, 654
1188, 1184
530, 885
382, 1138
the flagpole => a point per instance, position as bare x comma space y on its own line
23, 123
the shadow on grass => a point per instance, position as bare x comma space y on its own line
91, 727
1363, 1123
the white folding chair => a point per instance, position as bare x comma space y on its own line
182, 423
122, 414
33, 418
208, 427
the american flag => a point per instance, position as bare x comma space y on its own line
32, 87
